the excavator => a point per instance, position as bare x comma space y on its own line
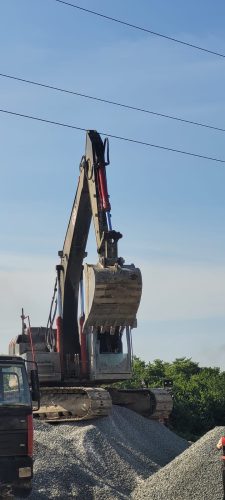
94, 307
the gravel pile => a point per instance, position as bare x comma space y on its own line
101, 459
194, 475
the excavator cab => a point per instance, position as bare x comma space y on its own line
110, 354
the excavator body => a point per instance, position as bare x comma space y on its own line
96, 309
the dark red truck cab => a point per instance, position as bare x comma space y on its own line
16, 424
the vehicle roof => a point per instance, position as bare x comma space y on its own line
10, 359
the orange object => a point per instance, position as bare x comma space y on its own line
58, 334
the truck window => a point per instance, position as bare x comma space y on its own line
14, 387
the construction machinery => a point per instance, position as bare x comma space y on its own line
96, 308
16, 424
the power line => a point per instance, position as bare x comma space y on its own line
121, 138
140, 28
114, 103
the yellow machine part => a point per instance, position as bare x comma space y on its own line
154, 403
163, 404
113, 296
62, 404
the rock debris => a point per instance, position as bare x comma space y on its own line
193, 475
103, 459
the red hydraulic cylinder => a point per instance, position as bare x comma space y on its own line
59, 335
103, 188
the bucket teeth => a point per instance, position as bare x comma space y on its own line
112, 296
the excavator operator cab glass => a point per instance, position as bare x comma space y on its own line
110, 343
14, 388
112, 350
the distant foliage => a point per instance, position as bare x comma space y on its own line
199, 393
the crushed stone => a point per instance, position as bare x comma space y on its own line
103, 459
193, 475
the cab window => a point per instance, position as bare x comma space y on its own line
14, 388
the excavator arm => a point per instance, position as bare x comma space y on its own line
91, 202
112, 289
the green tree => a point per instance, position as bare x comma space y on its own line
199, 393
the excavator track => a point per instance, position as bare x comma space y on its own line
66, 404
156, 403
163, 404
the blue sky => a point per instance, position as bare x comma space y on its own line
170, 208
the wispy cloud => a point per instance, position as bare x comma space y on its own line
25, 282
184, 291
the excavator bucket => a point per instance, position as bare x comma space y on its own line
113, 295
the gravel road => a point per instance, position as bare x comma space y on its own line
194, 475
102, 459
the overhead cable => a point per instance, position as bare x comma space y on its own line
121, 138
114, 103
140, 28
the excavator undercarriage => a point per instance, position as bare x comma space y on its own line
73, 403
156, 403
96, 309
